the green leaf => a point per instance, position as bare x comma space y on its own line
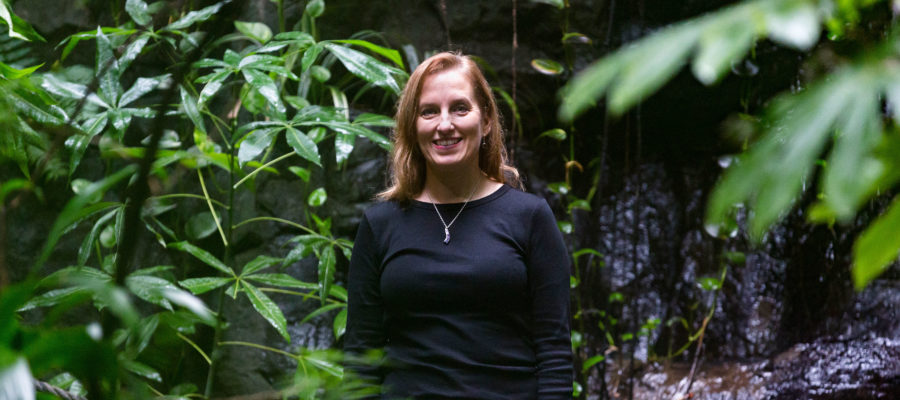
281, 280
192, 303
200, 225
194, 17
320, 73
137, 9
205, 284
565, 227
547, 67
141, 87
70, 90
108, 70
390, 54
315, 8
555, 134
150, 289
340, 324
257, 31
579, 204
721, 45
590, 362
141, 370
317, 197
13, 74
310, 55
301, 172
266, 87
204, 256
343, 146
259, 263
17, 27
365, 67
57, 296
877, 247
267, 308
326, 272
255, 143
368, 119
793, 23
708, 283
140, 336
321, 310
575, 38
189, 106
75, 210
15, 377
215, 82
556, 3
303, 146
133, 51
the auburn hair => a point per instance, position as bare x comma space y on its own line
407, 162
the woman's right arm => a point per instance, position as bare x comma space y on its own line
365, 314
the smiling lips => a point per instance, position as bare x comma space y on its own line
444, 143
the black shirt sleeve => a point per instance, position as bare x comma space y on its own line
548, 285
365, 314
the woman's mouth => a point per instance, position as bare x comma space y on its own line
446, 142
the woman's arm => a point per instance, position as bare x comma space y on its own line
548, 281
365, 321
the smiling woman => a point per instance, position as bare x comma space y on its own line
484, 315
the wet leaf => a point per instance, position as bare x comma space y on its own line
200, 225
722, 45
213, 84
320, 73
259, 263
555, 134
150, 289
575, 38
137, 9
191, 303
266, 87
547, 67
204, 256
303, 145
301, 172
267, 308
255, 143
877, 247
590, 362
17, 28
16, 381
565, 227
310, 56
365, 67
133, 51
556, 3
390, 54
257, 31
205, 284
141, 87
317, 197
194, 17
315, 8
321, 310
141, 370
710, 283
340, 324
793, 23
281, 280
368, 119
326, 272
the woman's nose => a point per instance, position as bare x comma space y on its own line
444, 124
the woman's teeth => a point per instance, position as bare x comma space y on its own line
447, 142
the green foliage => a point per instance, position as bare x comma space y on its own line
276, 84
840, 114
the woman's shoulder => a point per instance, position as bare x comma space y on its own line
526, 201
382, 211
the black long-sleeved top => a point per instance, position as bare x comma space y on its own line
483, 317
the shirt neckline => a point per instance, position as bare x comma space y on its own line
472, 203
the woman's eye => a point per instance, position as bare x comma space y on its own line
461, 109
428, 112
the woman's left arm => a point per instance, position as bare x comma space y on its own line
548, 280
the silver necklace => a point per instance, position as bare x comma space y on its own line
446, 225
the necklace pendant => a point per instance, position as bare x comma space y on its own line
446, 235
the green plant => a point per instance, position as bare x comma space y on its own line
838, 117
273, 85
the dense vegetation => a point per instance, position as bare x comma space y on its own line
185, 109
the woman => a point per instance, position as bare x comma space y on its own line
460, 278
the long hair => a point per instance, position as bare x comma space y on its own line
407, 161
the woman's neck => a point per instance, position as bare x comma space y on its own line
452, 187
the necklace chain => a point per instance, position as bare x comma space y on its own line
441, 217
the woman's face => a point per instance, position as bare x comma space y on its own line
449, 124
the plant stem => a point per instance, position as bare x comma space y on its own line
281, 22
264, 166
212, 209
